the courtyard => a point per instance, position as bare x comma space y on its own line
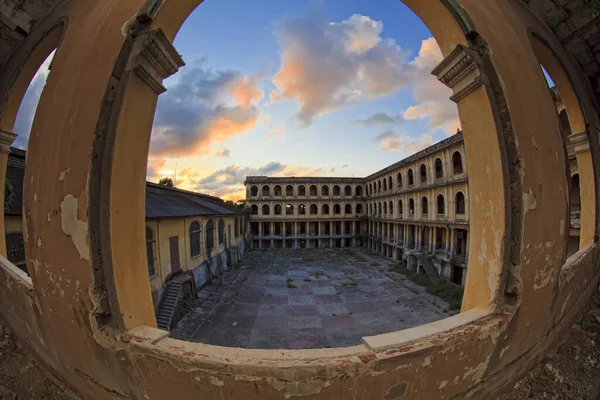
307, 298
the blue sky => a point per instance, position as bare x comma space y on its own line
318, 88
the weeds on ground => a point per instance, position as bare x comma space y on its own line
290, 283
349, 282
307, 280
448, 292
319, 274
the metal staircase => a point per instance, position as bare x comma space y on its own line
168, 305
429, 268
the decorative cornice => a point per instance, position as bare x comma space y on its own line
6, 140
461, 71
580, 142
155, 59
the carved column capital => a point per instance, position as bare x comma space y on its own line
155, 59
580, 142
461, 71
6, 140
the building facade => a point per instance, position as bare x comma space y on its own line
415, 210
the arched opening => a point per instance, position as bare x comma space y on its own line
439, 169
348, 209
210, 237
301, 209
347, 190
411, 179
336, 191
325, 209
384, 185
391, 209
424, 206
254, 209
385, 208
254, 191
459, 201
400, 208
289, 209
195, 233
266, 210
379, 186
370, 189
302, 191
337, 209
325, 190
359, 209
221, 232
313, 191
441, 205
277, 191
266, 191
359, 191
379, 209
277, 209
457, 164
423, 170
390, 182
411, 207
314, 210
289, 191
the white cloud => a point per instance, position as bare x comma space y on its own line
401, 142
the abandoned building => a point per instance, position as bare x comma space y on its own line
85, 310
414, 210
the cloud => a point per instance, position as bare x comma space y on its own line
204, 106
326, 65
380, 118
223, 153
29, 104
392, 140
276, 132
154, 168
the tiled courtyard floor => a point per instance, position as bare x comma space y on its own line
308, 298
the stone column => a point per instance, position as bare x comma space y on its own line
587, 196
6, 139
452, 241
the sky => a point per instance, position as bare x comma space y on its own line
282, 88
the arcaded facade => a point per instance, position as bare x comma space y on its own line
415, 210
85, 311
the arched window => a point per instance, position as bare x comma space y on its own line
325, 190
400, 208
289, 209
390, 183
336, 190
359, 190
277, 190
460, 203
236, 227
411, 206
424, 206
391, 209
266, 210
266, 191
441, 205
439, 169
359, 208
411, 179
195, 238
423, 170
150, 243
313, 191
399, 178
254, 209
457, 164
379, 208
384, 207
384, 184
348, 209
254, 191
379, 186
337, 209
301, 209
301, 190
221, 231
325, 209
347, 190
210, 235
289, 191
314, 210
370, 208
370, 189
277, 209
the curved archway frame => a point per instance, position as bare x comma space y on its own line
515, 270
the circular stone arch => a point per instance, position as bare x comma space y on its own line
384, 366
